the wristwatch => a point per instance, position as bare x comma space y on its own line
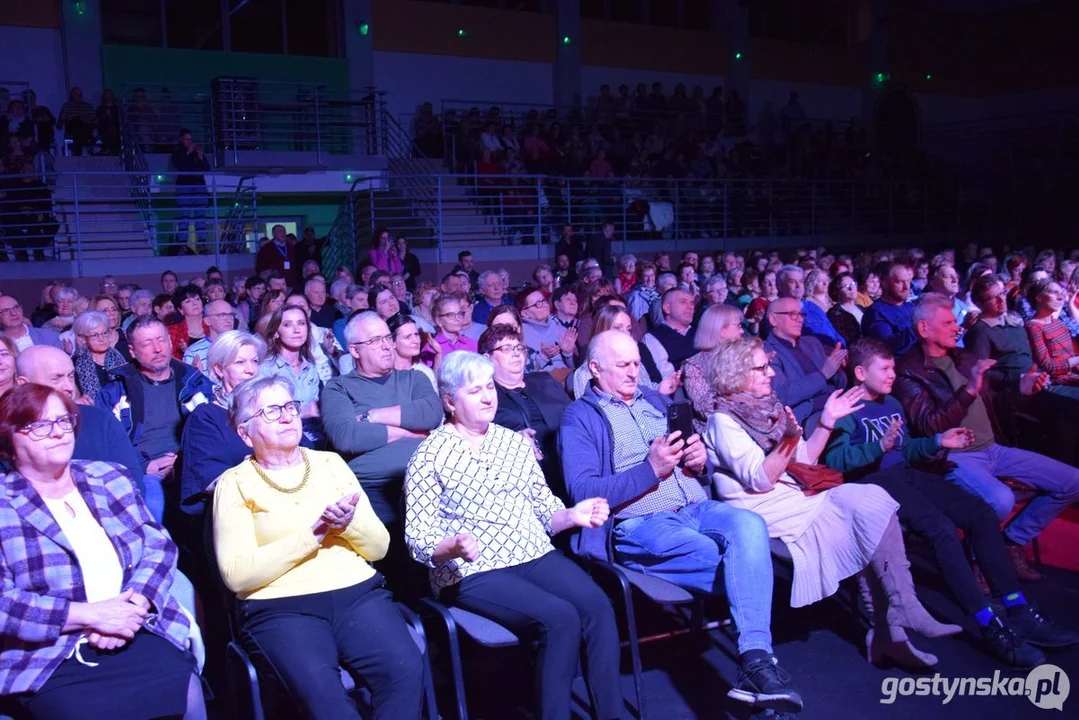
364, 416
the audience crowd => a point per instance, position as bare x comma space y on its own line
308, 446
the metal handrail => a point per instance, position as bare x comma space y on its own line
138, 169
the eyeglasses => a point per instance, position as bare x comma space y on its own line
43, 428
397, 282
223, 315
13, 310
848, 286
459, 315
98, 335
108, 284
512, 349
794, 314
760, 368
273, 413
375, 341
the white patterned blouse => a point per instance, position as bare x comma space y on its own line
498, 496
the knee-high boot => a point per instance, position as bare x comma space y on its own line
891, 567
886, 642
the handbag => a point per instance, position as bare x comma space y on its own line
813, 479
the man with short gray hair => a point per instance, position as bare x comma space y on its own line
614, 444
376, 417
220, 318
790, 283
492, 294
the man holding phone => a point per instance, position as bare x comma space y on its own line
615, 442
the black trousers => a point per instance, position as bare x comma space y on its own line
933, 507
81, 134
308, 637
553, 603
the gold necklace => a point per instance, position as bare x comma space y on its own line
266, 478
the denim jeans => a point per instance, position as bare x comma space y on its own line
153, 495
1057, 483
191, 208
691, 546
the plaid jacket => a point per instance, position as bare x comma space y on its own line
39, 575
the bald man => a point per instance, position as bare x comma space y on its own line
100, 436
220, 317
614, 444
806, 373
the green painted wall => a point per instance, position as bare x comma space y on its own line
156, 67
317, 212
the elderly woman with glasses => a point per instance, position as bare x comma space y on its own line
479, 514
110, 305
91, 626
760, 461
95, 356
295, 537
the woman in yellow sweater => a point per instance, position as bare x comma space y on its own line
295, 537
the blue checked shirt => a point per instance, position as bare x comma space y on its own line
635, 425
40, 577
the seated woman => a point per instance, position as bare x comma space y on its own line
290, 354
209, 446
382, 300
531, 404
1050, 341
110, 305
478, 512
845, 315
831, 534
509, 316
118, 640
407, 341
95, 356
9, 353
719, 324
295, 537
191, 326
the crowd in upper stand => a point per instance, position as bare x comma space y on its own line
313, 444
646, 133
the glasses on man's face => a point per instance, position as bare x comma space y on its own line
109, 285
793, 314
848, 286
43, 428
535, 304
512, 349
273, 413
223, 315
375, 341
460, 315
13, 310
397, 283
103, 335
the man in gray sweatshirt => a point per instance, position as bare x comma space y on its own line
376, 417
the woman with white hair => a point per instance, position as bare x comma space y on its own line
295, 537
760, 461
719, 324
95, 356
65, 310
209, 446
479, 514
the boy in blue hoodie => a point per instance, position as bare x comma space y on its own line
870, 445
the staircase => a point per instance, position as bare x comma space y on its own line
104, 218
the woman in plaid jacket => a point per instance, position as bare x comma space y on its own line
88, 625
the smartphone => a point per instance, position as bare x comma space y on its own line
680, 417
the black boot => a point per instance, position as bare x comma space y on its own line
1038, 630
1002, 643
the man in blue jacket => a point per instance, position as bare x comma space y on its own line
151, 396
614, 444
806, 373
890, 318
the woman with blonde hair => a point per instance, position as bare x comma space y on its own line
719, 324
760, 461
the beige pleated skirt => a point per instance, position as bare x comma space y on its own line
839, 541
